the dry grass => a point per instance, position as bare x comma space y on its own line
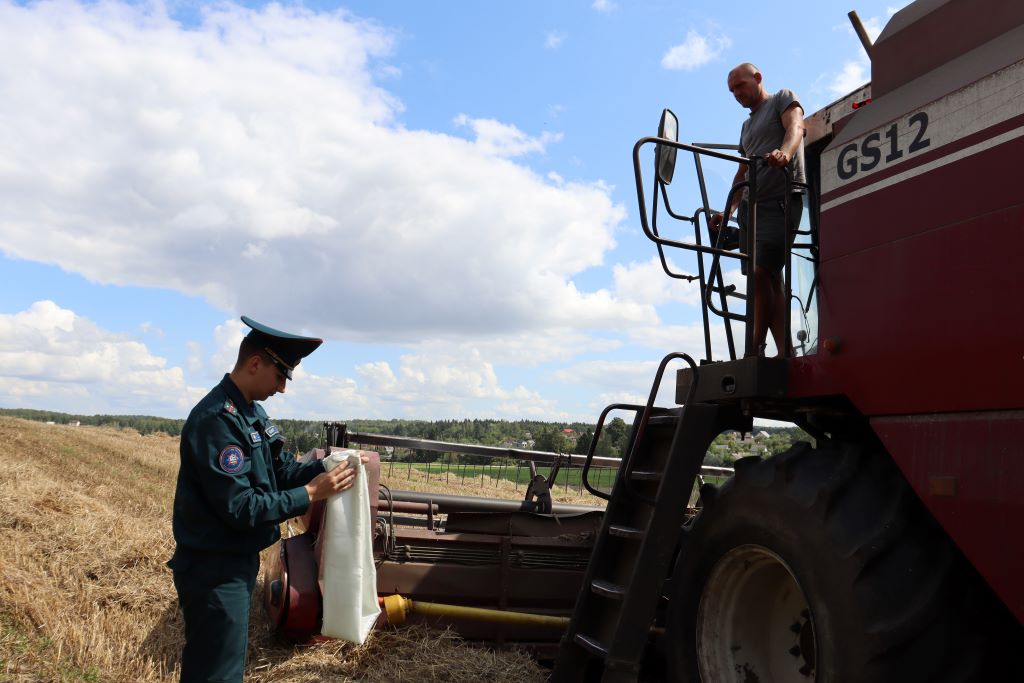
85, 595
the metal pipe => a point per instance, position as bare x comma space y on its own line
448, 503
407, 507
858, 27
397, 608
404, 520
476, 450
751, 247
547, 457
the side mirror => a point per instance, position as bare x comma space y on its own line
665, 156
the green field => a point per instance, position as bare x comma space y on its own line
568, 477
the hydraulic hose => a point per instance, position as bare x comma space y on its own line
398, 608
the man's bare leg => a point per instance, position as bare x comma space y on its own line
764, 306
778, 314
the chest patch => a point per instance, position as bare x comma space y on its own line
255, 436
231, 459
271, 431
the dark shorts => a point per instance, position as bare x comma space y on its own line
214, 592
772, 230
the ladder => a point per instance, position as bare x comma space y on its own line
636, 545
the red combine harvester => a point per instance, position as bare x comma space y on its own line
525, 558
892, 549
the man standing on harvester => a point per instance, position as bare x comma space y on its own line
235, 486
775, 132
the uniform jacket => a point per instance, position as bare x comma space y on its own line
235, 483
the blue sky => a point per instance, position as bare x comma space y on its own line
443, 191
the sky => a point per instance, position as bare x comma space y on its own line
442, 191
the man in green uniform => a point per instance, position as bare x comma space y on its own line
235, 486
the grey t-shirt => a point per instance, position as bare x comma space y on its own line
762, 133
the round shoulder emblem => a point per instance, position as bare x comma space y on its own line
232, 459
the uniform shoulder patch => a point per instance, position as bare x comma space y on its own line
231, 459
271, 431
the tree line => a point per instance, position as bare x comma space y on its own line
556, 437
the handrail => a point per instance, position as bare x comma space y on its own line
593, 445
546, 457
646, 416
716, 267
638, 177
787, 291
712, 283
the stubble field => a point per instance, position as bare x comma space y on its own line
85, 595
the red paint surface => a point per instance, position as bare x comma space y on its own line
984, 452
921, 282
948, 30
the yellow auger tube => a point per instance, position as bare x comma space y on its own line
398, 607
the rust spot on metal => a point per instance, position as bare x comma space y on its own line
942, 486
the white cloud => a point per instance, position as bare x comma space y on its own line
494, 138
553, 40
852, 76
194, 360
147, 327
226, 338
696, 51
629, 375
319, 397
856, 72
54, 359
604, 6
51, 358
874, 27
647, 282
253, 160
893, 9
621, 381
434, 379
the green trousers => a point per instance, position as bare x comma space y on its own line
214, 592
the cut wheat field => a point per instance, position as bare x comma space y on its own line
85, 514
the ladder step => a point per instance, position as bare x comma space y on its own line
591, 645
646, 476
608, 589
625, 532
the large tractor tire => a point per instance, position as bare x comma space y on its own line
821, 565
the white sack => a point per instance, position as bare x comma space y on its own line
349, 575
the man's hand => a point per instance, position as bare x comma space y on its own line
337, 480
715, 222
777, 158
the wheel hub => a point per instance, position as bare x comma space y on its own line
753, 623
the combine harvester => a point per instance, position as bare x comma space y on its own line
890, 550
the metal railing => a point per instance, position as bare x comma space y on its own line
711, 279
564, 460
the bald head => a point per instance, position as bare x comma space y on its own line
746, 68
745, 85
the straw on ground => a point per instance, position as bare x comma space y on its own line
85, 594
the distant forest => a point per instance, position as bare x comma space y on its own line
559, 437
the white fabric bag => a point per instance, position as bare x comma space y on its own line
347, 569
